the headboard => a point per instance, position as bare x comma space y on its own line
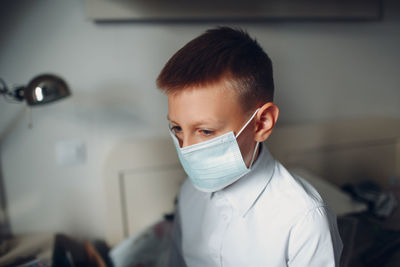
142, 177
342, 151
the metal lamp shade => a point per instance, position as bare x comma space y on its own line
44, 89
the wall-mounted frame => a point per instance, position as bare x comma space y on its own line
233, 10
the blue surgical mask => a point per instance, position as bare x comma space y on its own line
216, 163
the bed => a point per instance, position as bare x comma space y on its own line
142, 178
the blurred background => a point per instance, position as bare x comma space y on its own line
324, 69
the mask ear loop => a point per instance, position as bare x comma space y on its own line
254, 154
247, 123
241, 130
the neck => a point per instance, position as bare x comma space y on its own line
254, 156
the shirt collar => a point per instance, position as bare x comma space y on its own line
244, 193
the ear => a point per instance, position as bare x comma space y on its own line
265, 121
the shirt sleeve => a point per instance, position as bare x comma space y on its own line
314, 240
176, 257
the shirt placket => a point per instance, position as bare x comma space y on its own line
224, 211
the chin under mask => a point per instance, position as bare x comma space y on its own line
215, 163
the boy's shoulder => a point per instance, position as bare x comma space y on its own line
290, 194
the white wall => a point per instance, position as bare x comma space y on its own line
322, 70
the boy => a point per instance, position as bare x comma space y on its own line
239, 206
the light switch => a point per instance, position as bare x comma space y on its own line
70, 152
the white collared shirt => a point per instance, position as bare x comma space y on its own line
269, 217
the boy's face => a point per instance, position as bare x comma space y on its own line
200, 114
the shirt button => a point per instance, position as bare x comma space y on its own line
224, 217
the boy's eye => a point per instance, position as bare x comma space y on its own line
206, 132
176, 129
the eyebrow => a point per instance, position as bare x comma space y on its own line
199, 122
169, 119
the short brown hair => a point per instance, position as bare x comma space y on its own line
217, 54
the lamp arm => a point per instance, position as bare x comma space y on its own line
3, 88
16, 94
